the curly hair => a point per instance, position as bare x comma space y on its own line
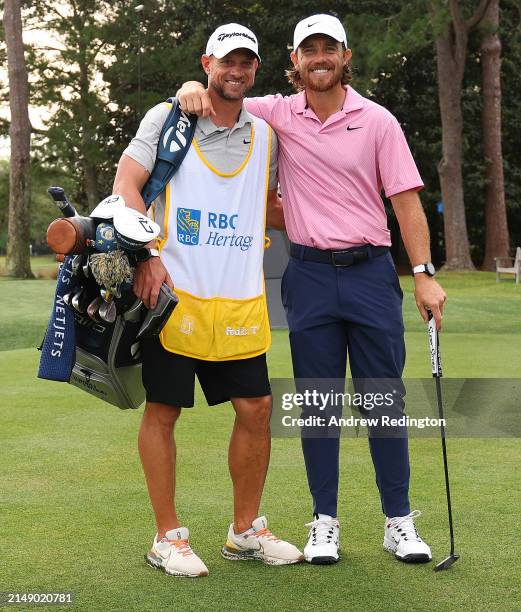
294, 78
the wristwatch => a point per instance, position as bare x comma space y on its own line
145, 254
426, 268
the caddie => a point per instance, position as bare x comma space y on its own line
213, 216
340, 289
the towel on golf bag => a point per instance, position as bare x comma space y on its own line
59, 345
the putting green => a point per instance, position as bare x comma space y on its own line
75, 513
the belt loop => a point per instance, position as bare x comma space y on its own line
301, 251
370, 251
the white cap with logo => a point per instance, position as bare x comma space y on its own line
319, 24
229, 37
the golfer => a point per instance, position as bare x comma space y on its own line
341, 293
213, 217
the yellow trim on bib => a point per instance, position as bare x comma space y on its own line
226, 174
217, 329
267, 239
161, 243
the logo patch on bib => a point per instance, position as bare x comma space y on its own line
188, 226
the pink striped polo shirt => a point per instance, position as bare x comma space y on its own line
331, 174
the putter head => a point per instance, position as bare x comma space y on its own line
155, 319
446, 563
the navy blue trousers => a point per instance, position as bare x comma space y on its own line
333, 312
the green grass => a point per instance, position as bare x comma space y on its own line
75, 513
26, 306
42, 266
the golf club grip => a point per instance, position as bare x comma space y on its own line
434, 344
68, 235
59, 196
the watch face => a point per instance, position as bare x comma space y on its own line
431, 270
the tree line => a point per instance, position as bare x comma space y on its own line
446, 68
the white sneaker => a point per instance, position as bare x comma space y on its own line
323, 541
173, 555
402, 539
259, 544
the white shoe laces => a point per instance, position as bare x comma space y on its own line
322, 531
405, 527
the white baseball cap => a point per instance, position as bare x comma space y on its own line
319, 24
229, 37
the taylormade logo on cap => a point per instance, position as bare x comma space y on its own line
319, 24
224, 36
229, 37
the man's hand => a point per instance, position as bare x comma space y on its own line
148, 278
195, 99
429, 295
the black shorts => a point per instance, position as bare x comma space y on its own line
169, 378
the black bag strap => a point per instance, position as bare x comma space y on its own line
174, 141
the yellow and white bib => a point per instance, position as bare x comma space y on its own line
213, 249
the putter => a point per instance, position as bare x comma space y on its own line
434, 344
155, 319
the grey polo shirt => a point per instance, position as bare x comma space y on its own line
225, 148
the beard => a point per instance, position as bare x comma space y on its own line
322, 84
227, 95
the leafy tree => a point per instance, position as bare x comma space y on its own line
91, 81
68, 82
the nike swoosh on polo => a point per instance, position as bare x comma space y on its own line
246, 141
350, 129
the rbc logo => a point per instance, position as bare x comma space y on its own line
188, 224
222, 221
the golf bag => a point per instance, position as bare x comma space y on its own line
103, 358
108, 361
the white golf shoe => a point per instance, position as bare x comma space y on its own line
173, 555
402, 539
259, 544
323, 541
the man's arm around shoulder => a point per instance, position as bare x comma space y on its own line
194, 98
